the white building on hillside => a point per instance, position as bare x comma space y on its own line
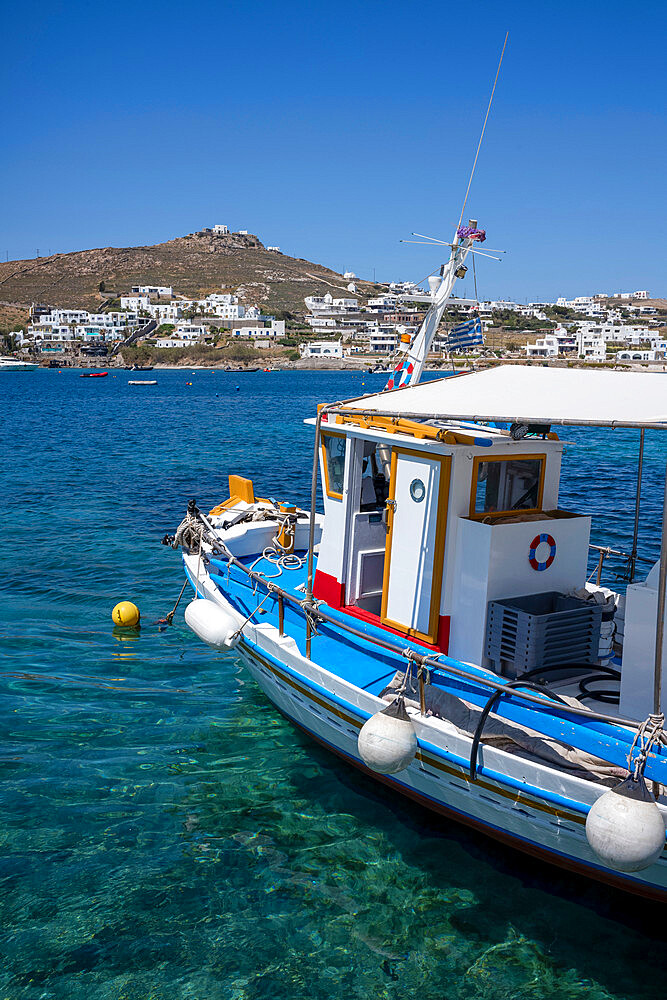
405, 288
501, 305
135, 302
591, 346
94, 333
617, 332
544, 347
167, 312
37, 334
172, 342
588, 305
646, 355
322, 349
383, 303
383, 341
189, 331
165, 290
553, 343
273, 331
328, 304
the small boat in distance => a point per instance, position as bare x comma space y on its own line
8, 364
142, 381
94, 375
141, 368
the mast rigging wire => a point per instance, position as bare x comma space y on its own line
479, 144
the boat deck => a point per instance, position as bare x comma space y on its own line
369, 668
358, 661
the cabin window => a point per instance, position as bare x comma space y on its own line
502, 485
375, 471
333, 446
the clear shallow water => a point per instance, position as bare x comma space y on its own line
165, 833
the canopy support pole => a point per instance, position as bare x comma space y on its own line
640, 465
313, 503
660, 623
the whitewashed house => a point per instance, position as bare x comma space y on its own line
164, 290
189, 331
167, 312
36, 333
645, 355
383, 303
591, 346
172, 342
272, 331
544, 347
617, 332
383, 341
135, 302
322, 349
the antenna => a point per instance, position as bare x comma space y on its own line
438, 243
479, 144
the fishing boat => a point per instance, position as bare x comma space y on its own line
437, 626
9, 364
94, 375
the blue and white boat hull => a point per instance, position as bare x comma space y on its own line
531, 806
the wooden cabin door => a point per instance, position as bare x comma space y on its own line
415, 546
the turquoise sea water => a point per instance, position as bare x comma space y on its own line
165, 833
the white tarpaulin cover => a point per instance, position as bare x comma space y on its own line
534, 395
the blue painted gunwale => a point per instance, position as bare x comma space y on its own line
570, 810
344, 650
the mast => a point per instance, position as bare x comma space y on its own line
409, 368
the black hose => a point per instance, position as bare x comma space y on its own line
609, 695
599, 673
537, 671
542, 688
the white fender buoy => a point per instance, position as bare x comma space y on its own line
625, 827
213, 624
387, 741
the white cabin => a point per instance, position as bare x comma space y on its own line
428, 518
469, 501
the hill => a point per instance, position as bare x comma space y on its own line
197, 263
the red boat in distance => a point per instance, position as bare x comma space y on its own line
94, 375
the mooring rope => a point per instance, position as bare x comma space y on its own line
650, 732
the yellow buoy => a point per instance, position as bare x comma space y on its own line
126, 613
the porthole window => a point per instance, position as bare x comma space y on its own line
417, 490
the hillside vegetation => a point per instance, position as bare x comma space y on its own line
194, 264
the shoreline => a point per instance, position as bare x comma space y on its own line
443, 369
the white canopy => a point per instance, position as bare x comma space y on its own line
534, 395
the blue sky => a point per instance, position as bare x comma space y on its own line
334, 130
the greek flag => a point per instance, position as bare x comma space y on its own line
465, 334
